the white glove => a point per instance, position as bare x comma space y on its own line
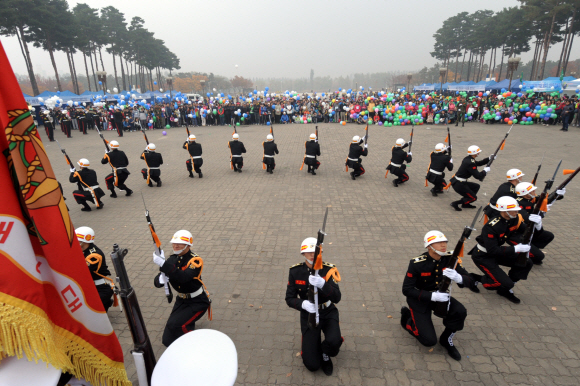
410, 153
451, 161
366, 145
439, 296
316, 281
159, 259
521, 248
537, 219
561, 192
308, 307
453, 275
486, 169
549, 206
162, 279
72, 170
493, 156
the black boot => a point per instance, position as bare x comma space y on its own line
235, 169
239, 170
509, 295
476, 280
468, 206
433, 192
150, 184
405, 315
326, 365
190, 174
159, 183
313, 172
267, 169
200, 174
396, 183
100, 205
128, 192
446, 340
352, 175
86, 208
455, 205
113, 193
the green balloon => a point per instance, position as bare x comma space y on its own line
237, 123
167, 126
214, 111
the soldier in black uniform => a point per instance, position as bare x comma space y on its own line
316, 354
97, 264
494, 249
312, 151
397, 166
47, 125
423, 276
66, 123
236, 150
195, 152
353, 161
440, 160
90, 119
118, 120
88, 186
467, 169
508, 188
82, 120
270, 149
118, 162
183, 269
153, 160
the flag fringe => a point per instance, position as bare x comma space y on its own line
31, 334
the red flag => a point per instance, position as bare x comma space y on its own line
49, 304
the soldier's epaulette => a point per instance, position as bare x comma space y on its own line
493, 221
328, 264
473, 160
194, 254
519, 198
296, 265
418, 259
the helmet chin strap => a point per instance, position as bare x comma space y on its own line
179, 252
512, 217
438, 252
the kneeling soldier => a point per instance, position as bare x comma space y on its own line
195, 161
316, 354
88, 187
424, 274
236, 150
153, 160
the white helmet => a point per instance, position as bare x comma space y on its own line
269, 137
151, 147
313, 136
514, 174
506, 203
84, 163
114, 144
433, 237
524, 188
356, 139
191, 137
439, 148
236, 136
400, 142
308, 245
85, 235
182, 237
473, 149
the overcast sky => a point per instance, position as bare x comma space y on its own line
286, 39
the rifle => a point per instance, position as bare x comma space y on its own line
104, 140
66, 157
144, 135
538, 171
411, 139
168, 293
316, 133
540, 206
313, 319
142, 349
448, 140
272, 130
553, 196
187, 128
441, 308
500, 147
366, 133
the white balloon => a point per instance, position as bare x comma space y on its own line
108, 91
115, 89
236, 66
41, 100
122, 97
84, 104
160, 90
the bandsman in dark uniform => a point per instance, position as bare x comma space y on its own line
423, 276
90, 119
118, 162
316, 353
236, 150
467, 169
88, 186
312, 151
82, 120
48, 127
398, 158
508, 188
153, 160
270, 149
118, 118
195, 159
97, 264
440, 160
183, 270
353, 161
494, 249
66, 123
460, 114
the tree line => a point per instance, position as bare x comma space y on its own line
52, 26
541, 23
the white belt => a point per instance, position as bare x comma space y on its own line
121, 168
460, 179
99, 281
154, 168
395, 165
92, 187
269, 156
196, 157
436, 172
482, 249
353, 160
310, 156
191, 295
234, 155
325, 305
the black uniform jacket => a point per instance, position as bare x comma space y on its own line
425, 273
399, 155
193, 148
116, 158
468, 168
237, 148
88, 176
440, 161
152, 159
313, 150
184, 273
297, 289
496, 233
505, 189
95, 259
270, 148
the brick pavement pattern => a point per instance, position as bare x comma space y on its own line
248, 228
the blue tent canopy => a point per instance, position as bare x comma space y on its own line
46, 94
505, 84
466, 83
557, 79
67, 93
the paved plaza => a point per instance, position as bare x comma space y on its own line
248, 228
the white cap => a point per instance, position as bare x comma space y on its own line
151, 147
473, 149
439, 148
356, 139
236, 136
506, 203
524, 188
182, 237
84, 163
400, 142
312, 136
514, 174
433, 237
85, 235
114, 144
191, 137
269, 137
308, 245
